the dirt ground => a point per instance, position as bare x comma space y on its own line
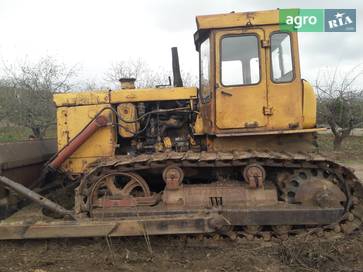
173, 254
358, 168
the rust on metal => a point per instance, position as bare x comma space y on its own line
235, 159
255, 175
117, 189
272, 132
190, 208
219, 195
22, 161
127, 83
126, 202
320, 192
106, 228
173, 177
159, 221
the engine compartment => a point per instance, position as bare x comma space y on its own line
148, 127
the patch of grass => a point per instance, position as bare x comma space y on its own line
11, 134
352, 147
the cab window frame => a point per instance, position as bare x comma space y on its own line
205, 99
292, 58
255, 34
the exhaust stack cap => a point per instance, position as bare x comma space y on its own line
127, 83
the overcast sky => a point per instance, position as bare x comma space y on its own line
96, 33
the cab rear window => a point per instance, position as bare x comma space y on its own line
281, 58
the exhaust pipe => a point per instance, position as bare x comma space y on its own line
177, 82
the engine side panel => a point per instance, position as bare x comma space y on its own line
155, 94
70, 121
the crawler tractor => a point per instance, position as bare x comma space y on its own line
236, 156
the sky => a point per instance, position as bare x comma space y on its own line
94, 34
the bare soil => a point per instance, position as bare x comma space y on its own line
174, 254
358, 168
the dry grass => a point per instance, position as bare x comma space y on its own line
172, 254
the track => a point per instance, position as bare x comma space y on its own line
214, 223
346, 221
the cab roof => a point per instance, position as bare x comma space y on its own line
234, 19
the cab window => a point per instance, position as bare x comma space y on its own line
240, 61
205, 89
281, 58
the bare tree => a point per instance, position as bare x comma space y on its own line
144, 75
32, 86
3, 101
189, 80
125, 69
340, 101
90, 85
3, 98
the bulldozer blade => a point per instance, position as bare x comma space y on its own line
22, 161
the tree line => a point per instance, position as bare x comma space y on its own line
26, 89
26, 92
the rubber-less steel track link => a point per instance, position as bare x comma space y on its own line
224, 159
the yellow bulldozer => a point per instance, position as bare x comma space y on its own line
236, 156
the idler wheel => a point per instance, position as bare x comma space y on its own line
173, 177
254, 174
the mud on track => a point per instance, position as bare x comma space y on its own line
174, 254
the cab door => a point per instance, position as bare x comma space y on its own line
284, 80
241, 88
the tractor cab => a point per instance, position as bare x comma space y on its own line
249, 74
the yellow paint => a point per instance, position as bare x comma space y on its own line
266, 105
70, 121
156, 94
271, 107
243, 105
128, 113
167, 142
81, 98
309, 105
273, 132
284, 98
198, 126
238, 19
